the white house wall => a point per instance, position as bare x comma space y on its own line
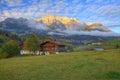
22, 52
29, 52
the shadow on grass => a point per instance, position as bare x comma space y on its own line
113, 75
79, 66
101, 59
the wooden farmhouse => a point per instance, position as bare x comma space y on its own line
47, 48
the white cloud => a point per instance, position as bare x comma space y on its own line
103, 1
12, 2
35, 25
93, 33
102, 13
110, 11
88, 1
13, 13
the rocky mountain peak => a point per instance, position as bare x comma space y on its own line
49, 19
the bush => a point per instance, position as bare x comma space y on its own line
3, 54
113, 75
9, 49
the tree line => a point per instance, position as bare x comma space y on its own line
12, 47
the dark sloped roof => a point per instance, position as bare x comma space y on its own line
48, 42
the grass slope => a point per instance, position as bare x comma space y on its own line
90, 65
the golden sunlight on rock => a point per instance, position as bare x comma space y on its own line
49, 19
93, 25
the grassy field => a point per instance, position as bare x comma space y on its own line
89, 65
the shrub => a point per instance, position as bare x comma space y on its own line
113, 74
9, 49
3, 54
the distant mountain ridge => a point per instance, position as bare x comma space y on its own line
71, 23
47, 24
49, 19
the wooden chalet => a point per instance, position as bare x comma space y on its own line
47, 48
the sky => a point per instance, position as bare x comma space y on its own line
106, 12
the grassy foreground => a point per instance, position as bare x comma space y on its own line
90, 65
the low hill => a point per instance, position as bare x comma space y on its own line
89, 65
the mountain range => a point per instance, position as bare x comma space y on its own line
49, 24
57, 22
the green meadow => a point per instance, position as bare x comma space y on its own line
87, 65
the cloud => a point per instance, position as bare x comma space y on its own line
105, 14
34, 25
95, 1
12, 2
113, 25
110, 11
69, 32
92, 33
103, 1
12, 14
87, 1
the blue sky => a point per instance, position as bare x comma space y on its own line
106, 12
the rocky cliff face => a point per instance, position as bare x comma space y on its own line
49, 19
70, 23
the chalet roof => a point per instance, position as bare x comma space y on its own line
49, 42
57, 43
